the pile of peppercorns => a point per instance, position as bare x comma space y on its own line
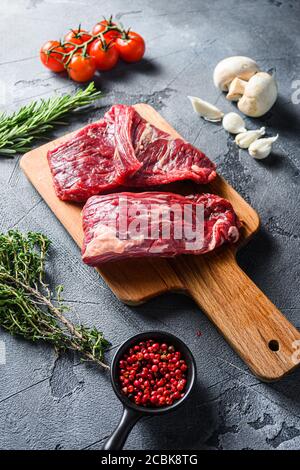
153, 374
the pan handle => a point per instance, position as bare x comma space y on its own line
118, 438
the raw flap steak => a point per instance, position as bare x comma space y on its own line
98, 158
164, 159
123, 150
127, 225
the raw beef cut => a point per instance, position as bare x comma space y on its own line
164, 159
123, 150
98, 158
127, 225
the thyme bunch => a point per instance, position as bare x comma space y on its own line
26, 306
19, 130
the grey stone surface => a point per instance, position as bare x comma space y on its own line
57, 403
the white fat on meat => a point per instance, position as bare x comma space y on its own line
145, 137
217, 231
105, 240
233, 234
196, 169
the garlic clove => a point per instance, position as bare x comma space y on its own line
206, 110
261, 148
245, 139
233, 123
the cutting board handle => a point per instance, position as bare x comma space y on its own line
249, 321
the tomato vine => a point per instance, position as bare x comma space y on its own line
81, 53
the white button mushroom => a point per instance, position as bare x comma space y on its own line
245, 139
206, 110
255, 91
233, 123
261, 148
260, 93
232, 67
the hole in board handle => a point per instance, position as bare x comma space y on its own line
274, 345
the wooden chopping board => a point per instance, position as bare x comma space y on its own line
249, 321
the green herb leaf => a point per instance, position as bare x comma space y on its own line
19, 130
26, 307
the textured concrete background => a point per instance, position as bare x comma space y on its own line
57, 403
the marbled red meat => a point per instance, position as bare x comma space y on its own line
127, 225
98, 158
123, 150
163, 158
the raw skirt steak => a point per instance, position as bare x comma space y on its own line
127, 225
123, 150
98, 158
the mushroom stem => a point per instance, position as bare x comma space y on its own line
236, 89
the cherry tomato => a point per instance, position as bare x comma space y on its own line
101, 26
81, 68
131, 46
76, 36
50, 57
106, 55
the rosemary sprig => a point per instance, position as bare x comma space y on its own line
20, 129
26, 307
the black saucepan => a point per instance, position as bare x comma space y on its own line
132, 412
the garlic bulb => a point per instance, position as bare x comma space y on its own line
261, 148
233, 123
206, 110
244, 139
